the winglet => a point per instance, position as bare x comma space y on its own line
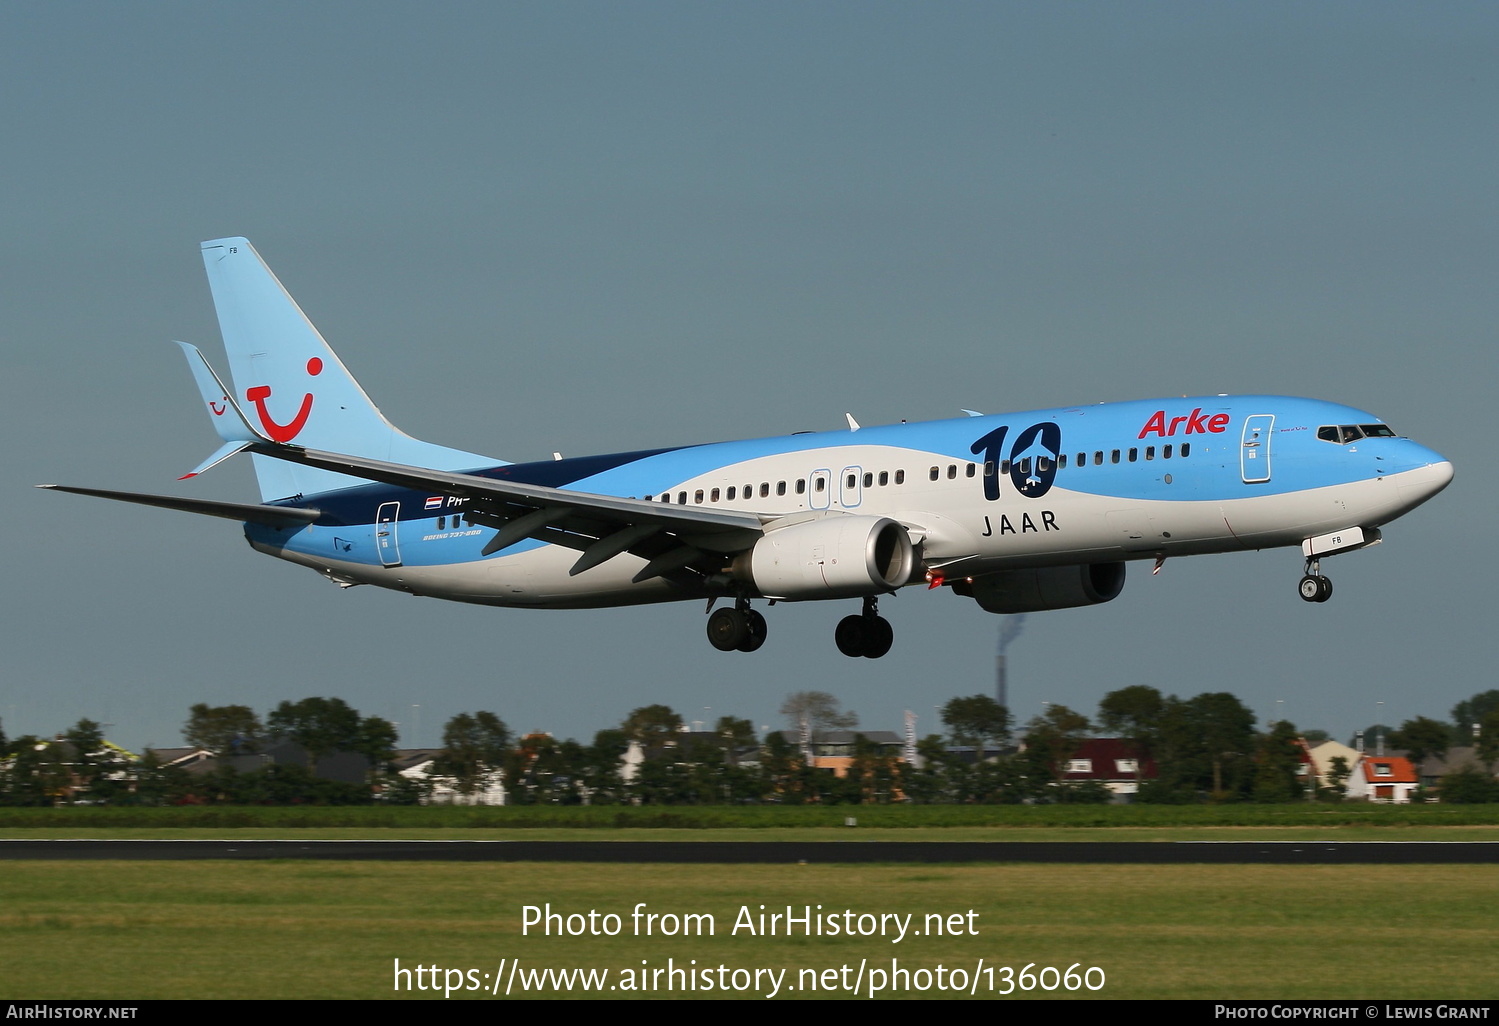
228, 419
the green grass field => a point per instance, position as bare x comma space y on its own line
137, 930
523, 820
290, 929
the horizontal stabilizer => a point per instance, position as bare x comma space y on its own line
218, 456
244, 512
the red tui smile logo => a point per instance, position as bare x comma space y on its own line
283, 432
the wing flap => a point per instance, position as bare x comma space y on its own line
673, 540
475, 487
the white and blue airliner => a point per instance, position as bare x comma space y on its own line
1020, 512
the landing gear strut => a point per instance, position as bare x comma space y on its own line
866, 634
739, 629
1314, 587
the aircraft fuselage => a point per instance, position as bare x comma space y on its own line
1116, 481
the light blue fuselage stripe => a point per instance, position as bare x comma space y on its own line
1211, 426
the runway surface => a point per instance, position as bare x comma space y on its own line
1096, 852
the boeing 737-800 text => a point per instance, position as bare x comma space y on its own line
1020, 512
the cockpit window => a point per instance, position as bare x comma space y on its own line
1342, 434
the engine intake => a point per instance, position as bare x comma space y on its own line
1056, 587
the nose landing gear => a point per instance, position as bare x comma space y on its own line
1314, 587
866, 634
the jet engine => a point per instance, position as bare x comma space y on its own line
831, 557
1055, 587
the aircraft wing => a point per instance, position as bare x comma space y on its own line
672, 539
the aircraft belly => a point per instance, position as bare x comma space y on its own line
536, 578
1067, 527
1290, 517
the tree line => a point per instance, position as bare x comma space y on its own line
1206, 748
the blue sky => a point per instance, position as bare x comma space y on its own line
589, 227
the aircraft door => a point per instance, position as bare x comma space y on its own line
385, 533
820, 491
1254, 448
850, 492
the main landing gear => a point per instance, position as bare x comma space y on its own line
740, 629
1314, 587
866, 634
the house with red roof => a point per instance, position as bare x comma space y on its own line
1383, 778
1113, 762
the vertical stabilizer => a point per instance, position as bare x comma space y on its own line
294, 388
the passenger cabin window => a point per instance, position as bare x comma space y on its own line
713, 496
936, 473
952, 471
822, 484
900, 477
884, 478
971, 470
764, 489
697, 497
1114, 457
801, 486
868, 478
1186, 449
780, 487
731, 493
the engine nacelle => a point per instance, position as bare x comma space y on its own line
1053, 587
832, 557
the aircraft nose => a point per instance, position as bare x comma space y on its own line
1425, 478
